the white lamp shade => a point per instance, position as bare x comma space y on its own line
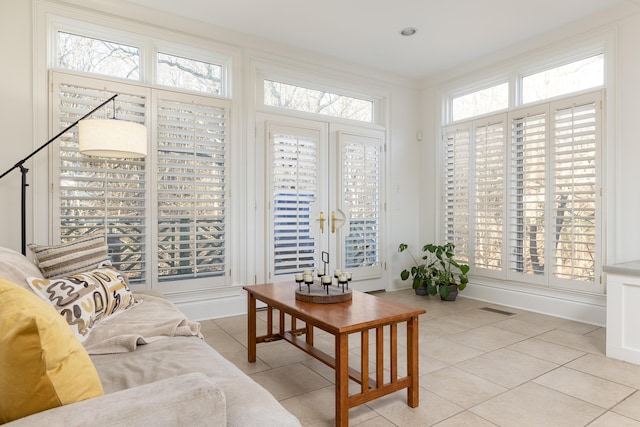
112, 138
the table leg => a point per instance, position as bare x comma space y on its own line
412, 362
342, 380
309, 334
252, 327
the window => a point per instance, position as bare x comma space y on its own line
528, 191
102, 194
480, 102
457, 204
295, 189
573, 77
97, 56
521, 183
189, 185
538, 221
361, 165
189, 74
191, 188
489, 182
166, 217
303, 99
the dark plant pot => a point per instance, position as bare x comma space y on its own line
453, 293
421, 291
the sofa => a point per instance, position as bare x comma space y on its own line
153, 366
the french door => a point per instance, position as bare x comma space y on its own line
323, 197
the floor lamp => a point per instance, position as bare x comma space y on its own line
97, 137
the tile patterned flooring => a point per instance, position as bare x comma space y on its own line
478, 367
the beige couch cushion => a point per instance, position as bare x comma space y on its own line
15, 267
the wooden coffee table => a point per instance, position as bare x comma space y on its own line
360, 315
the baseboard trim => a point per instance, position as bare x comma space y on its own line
590, 309
214, 308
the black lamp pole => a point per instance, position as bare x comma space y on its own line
24, 171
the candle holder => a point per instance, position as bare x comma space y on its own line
299, 280
308, 280
326, 283
342, 280
327, 293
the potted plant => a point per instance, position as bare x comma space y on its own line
438, 272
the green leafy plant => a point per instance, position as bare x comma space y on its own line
437, 269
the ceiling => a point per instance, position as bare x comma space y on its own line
367, 32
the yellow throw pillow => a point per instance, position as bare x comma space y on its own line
42, 364
83, 299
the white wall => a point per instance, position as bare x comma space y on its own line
624, 215
16, 111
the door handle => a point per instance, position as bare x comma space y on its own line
335, 219
333, 222
322, 219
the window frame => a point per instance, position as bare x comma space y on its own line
321, 84
211, 57
601, 41
524, 66
148, 45
505, 273
468, 91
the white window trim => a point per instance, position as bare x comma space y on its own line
48, 16
313, 80
560, 53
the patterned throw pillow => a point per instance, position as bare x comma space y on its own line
83, 299
78, 256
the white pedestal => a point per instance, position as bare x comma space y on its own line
623, 311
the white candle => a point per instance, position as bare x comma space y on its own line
308, 278
307, 272
326, 279
337, 273
342, 278
348, 276
321, 272
299, 277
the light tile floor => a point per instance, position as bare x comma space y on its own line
478, 367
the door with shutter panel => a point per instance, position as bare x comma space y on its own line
323, 193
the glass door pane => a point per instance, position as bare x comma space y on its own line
296, 196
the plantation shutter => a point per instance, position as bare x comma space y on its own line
294, 191
489, 188
527, 202
575, 145
191, 187
456, 198
99, 194
361, 174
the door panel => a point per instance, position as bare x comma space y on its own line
296, 192
359, 202
313, 205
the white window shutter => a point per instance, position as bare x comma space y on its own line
528, 192
294, 191
489, 187
98, 194
575, 144
456, 198
361, 176
191, 188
